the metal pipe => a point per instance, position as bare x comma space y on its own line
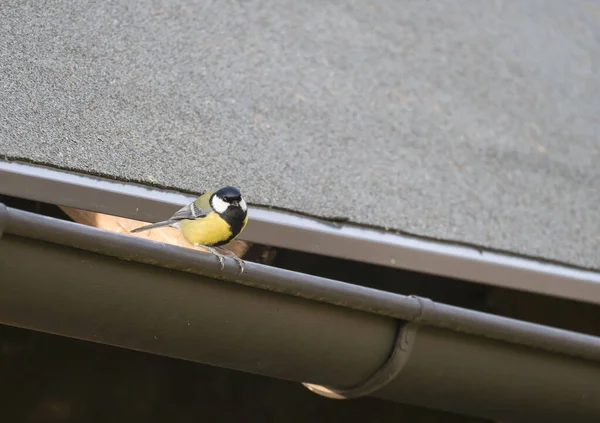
305, 286
78, 281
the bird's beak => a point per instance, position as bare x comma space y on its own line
235, 203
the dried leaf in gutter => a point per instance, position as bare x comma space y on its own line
123, 225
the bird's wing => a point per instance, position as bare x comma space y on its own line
191, 211
195, 210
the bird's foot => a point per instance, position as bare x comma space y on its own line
214, 252
231, 254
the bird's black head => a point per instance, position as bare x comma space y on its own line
228, 198
229, 194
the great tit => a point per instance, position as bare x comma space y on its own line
212, 220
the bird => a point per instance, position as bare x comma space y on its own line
212, 220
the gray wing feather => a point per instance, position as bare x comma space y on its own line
154, 225
191, 211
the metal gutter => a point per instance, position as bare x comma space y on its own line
79, 281
306, 286
287, 230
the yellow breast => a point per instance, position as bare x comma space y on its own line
208, 231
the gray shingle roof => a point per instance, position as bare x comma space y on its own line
466, 121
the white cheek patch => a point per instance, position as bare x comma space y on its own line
243, 205
219, 205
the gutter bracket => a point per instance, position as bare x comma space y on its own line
405, 337
3, 218
426, 310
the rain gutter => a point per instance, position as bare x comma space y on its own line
287, 230
342, 340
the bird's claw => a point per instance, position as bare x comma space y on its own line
221, 261
238, 260
228, 253
214, 253
240, 263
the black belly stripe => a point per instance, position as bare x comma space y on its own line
235, 217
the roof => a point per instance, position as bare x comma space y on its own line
465, 122
341, 340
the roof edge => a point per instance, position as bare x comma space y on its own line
288, 230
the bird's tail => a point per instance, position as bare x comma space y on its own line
152, 226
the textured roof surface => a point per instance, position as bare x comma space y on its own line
470, 121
